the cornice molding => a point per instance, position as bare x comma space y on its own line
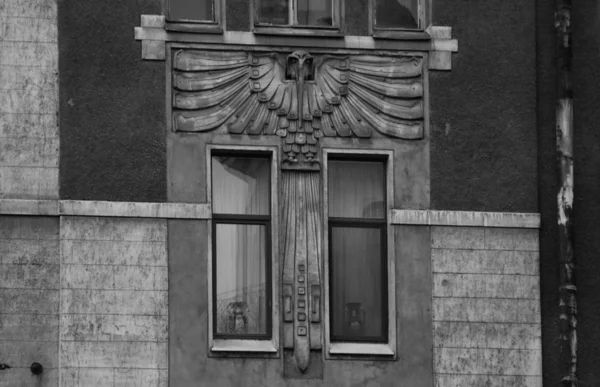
203, 211
153, 35
104, 208
465, 218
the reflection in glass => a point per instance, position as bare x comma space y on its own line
356, 189
197, 10
397, 14
357, 297
273, 11
241, 279
240, 185
314, 13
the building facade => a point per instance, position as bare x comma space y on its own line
290, 193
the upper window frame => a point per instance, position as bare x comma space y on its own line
214, 26
419, 33
386, 349
336, 29
268, 347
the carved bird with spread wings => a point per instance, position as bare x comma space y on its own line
300, 99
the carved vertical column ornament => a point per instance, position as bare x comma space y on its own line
302, 263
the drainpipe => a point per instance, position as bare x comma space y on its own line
564, 148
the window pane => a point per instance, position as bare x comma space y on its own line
191, 10
357, 301
240, 185
356, 189
314, 13
397, 13
273, 11
241, 279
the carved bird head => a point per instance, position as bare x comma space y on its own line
299, 66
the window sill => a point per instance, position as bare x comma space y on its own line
360, 349
251, 346
401, 34
289, 31
206, 28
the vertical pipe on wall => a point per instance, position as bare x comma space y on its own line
564, 148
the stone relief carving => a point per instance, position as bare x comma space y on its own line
299, 97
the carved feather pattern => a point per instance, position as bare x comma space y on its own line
298, 99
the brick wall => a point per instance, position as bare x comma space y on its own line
486, 307
114, 314
29, 299
29, 142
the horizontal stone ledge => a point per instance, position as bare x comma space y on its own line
465, 218
104, 208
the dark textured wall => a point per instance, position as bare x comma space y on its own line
112, 104
483, 111
586, 78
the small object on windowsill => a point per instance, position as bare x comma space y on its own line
238, 317
355, 319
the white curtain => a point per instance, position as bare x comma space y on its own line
241, 187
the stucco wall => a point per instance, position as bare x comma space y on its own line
483, 111
28, 99
486, 307
112, 104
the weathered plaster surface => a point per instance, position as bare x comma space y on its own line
486, 307
29, 299
29, 142
113, 305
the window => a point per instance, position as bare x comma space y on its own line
194, 15
397, 18
296, 15
360, 263
242, 276
357, 256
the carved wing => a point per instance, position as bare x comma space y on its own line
363, 93
242, 91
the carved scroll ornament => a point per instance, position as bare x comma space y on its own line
298, 97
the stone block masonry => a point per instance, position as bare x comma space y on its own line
486, 307
29, 299
113, 309
29, 141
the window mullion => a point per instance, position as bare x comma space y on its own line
293, 12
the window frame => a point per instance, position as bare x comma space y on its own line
336, 349
418, 33
267, 345
214, 26
336, 29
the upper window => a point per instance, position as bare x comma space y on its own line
296, 16
186, 10
194, 15
295, 12
397, 18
